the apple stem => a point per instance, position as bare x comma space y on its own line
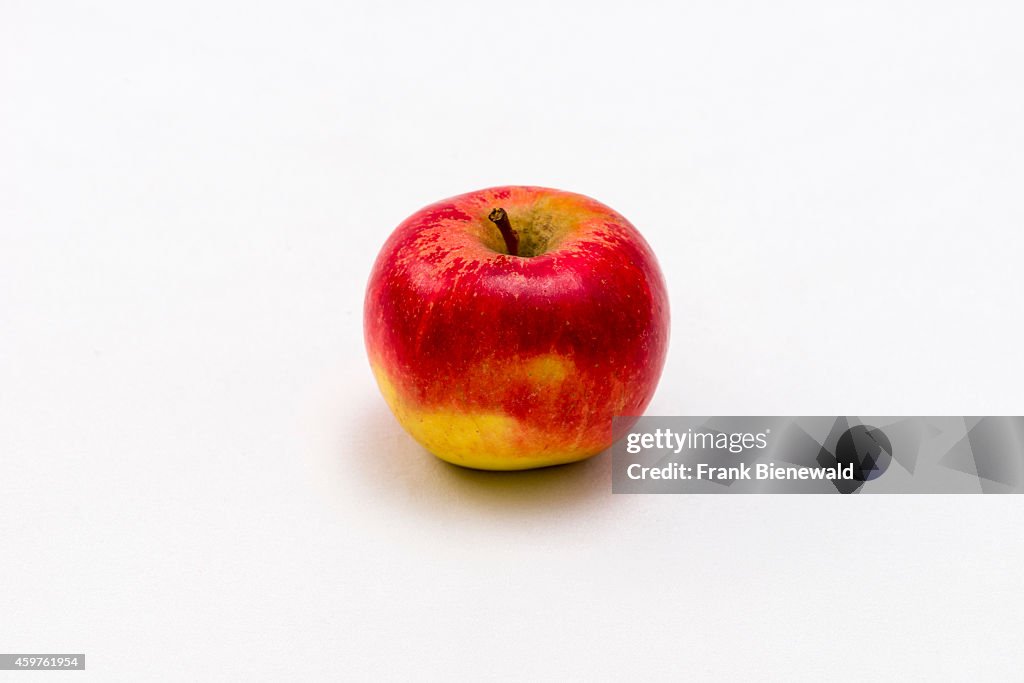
500, 218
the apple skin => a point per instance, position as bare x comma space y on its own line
502, 362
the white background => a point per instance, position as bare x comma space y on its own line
199, 480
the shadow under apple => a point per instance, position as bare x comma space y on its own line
396, 468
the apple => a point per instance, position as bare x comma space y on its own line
506, 327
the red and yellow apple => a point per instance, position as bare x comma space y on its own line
506, 327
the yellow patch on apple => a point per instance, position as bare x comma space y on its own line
480, 440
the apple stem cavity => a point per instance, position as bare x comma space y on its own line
500, 218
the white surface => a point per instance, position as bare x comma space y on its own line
200, 481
